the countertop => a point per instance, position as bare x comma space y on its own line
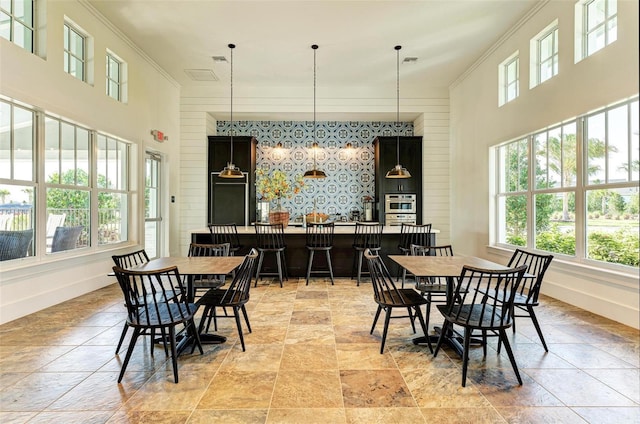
296, 228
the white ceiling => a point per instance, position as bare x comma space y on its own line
356, 40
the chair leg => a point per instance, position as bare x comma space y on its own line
465, 355
279, 264
507, 346
387, 318
246, 318
424, 327
536, 324
359, 270
375, 319
174, 352
411, 318
236, 314
330, 267
124, 333
484, 343
309, 264
259, 268
443, 331
132, 343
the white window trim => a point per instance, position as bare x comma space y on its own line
502, 79
89, 59
32, 27
534, 53
580, 35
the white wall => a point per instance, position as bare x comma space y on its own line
477, 123
32, 284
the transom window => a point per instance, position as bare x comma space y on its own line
114, 77
572, 189
596, 26
16, 22
509, 79
544, 55
75, 52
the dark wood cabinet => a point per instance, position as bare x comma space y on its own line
386, 157
231, 200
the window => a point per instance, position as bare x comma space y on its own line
16, 22
112, 184
17, 182
596, 26
75, 52
67, 180
544, 55
572, 189
114, 77
509, 79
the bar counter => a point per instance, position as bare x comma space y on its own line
296, 253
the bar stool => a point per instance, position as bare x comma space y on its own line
225, 233
418, 234
320, 238
270, 239
367, 236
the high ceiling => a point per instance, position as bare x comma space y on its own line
356, 40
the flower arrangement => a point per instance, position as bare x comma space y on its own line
275, 185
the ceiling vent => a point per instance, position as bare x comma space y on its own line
410, 60
219, 58
201, 74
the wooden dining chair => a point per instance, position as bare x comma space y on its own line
202, 283
235, 296
388, 297
418, 234
147, 311
479, 314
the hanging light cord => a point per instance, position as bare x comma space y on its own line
231, 46
398, 104
315, 142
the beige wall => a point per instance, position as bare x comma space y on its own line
477, 123
153, 103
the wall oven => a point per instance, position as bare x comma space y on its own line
400, 203
399, 209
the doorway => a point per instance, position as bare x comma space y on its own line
152, 205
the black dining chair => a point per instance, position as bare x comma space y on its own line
270, 239
475, 311
526, 298
147, 311
388, 297
320, 239
418, 234
433, 289
235, 296
202, 283
367, 236
226, 233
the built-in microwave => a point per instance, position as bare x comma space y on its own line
400, 203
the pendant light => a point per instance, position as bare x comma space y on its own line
231, 171
314, 173
398, 171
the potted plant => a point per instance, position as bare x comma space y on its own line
274, 186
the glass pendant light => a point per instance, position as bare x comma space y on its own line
231, 171
314, 173
398, 171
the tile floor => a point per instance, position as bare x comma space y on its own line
311, 359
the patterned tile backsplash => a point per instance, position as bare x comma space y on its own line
350, 172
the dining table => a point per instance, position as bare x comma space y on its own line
448, 267
193, 266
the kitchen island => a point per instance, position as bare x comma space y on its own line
297, 255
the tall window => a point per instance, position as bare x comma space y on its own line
596, 26
67, 181
114, 77
509, 79
573, 189
16, 22
75, 52
544, 55
17, 181
112, 182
